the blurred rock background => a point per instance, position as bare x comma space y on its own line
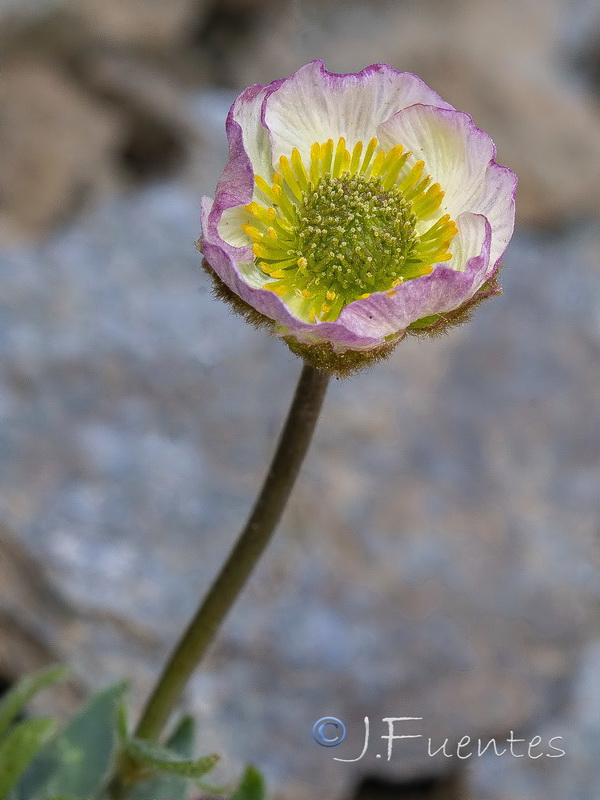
440, 556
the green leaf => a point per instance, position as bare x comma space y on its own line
15, 700
174, 787
163, 760
252, 786
77, 761
19, 748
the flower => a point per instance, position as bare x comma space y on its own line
354, 209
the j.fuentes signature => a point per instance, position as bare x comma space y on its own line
331, 731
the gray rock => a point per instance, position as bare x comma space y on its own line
58, 146
575, 773
147, 25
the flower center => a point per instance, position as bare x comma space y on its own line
345, 227
353, 236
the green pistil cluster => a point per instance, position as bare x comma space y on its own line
343, 227
353, 237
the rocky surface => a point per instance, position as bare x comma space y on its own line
92, 100
147, 25
438, 559
575, 775
57, 147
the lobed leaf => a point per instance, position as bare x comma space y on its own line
164, 760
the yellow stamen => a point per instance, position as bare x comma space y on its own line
315, 162
356, 157
340, 152
282, 199
290, 178
265, 188
396, 163
369, 154
299, 169
262, 250
412, 178
326, 156
252, 232
377, 165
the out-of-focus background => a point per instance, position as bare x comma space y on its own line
440, 556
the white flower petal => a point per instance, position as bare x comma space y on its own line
249, 154
460, 157
231, 231
469, 241
315, 105
247, 112
497, 203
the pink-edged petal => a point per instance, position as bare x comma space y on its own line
445, 289
455, 152
245, 129
460, 157
249, 154
497, 203
314, 105
472, 239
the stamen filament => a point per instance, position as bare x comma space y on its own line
339, 154
369, 154
291, 179
301, 175
356, 152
